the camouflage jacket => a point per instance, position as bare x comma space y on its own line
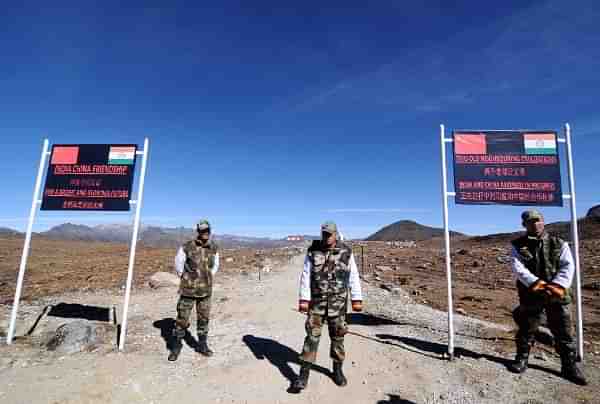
541, 257
197, 276
329, 277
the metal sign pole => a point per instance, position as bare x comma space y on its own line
445, 195
134, 237
575, 238
34, 207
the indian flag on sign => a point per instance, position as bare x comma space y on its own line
540, 143
121, 155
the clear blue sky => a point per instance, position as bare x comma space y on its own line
269, 119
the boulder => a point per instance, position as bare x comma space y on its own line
503, 259
163, 279
79, 336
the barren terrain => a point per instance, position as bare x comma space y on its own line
396, 348
483, 286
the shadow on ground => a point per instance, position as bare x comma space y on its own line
395, 399
368, 320
424, 347
71, 310
91, 313
166, 327
279, 356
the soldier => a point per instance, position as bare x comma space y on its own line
196, 263
329, 273
544, 268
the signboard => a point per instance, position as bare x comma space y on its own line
90, 177
507, 167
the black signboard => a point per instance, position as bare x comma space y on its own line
90, 177
507, 167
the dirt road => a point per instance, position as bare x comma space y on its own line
395, 355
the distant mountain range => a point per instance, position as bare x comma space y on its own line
588, 226
5, 231
408, 230
403, 230
154, 236
149, 235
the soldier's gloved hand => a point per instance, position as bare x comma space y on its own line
556, 290
303, 306
357, 305
538, 286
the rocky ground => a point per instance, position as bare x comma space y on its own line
56, 266
395, 352
483, 286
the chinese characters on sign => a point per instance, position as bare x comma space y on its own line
89, 177
507, 167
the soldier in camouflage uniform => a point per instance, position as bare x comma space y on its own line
196, 263
329, 273
544, 268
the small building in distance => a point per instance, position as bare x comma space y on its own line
295, 238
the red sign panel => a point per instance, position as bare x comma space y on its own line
89, 177
507, 167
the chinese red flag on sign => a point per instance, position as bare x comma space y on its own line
65, 155
470, 144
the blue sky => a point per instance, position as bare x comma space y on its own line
269, 119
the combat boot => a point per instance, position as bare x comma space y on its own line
338, 374
520, 363
177, 345
203, 346
570, 371
302, 381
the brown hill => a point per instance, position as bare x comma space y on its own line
589, 229
594, 212
406, 230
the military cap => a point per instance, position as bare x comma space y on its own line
203, 225
329, 227
530, 215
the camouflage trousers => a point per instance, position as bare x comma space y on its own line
337, 329
528, 317
184, 312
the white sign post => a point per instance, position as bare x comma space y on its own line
134, 238
34, 207
575, 239
445, 196
574, 235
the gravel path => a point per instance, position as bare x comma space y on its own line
395, 354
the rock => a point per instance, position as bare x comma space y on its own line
6, 362
462, 251
385, 287
163, 279
461, 311
229, 260
503, 259
540, 356
77, 336
383, 268
402, 281
477, 264
592, 285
